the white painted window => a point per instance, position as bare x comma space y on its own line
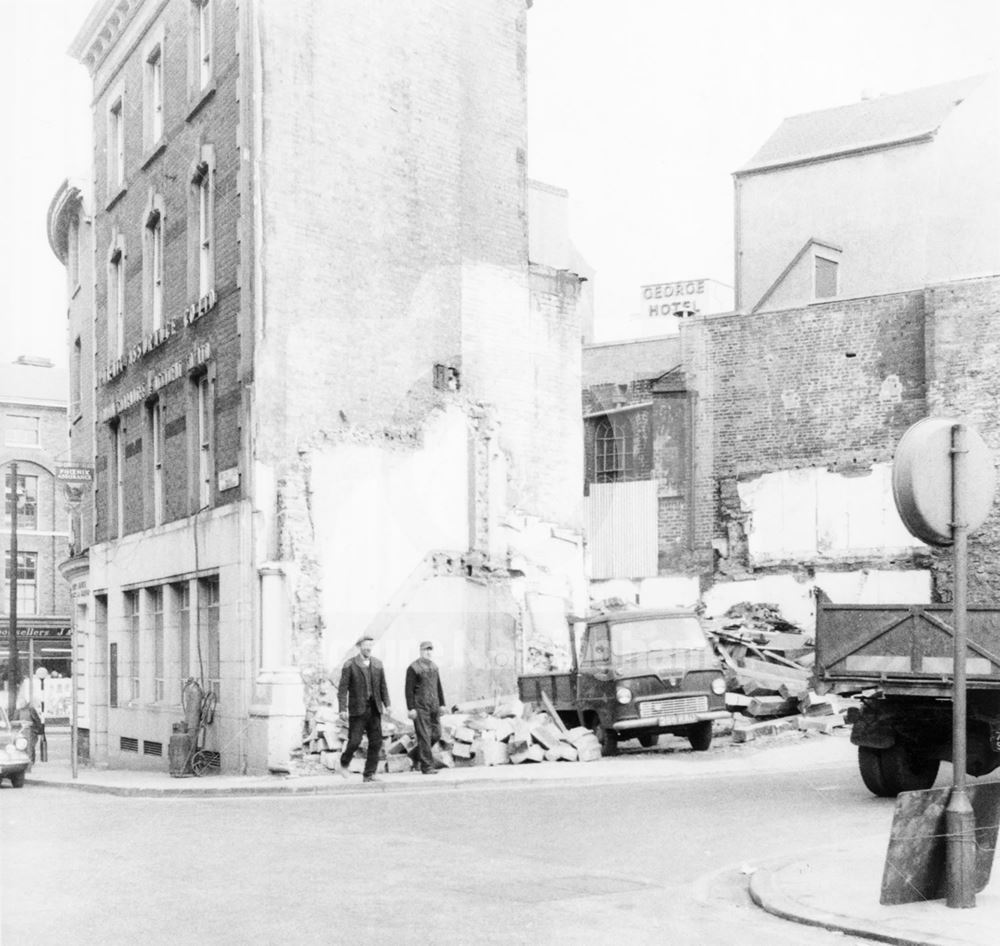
182, 622
154, 276
203, 41
155, 432
21, 430
206, 261
27, 503
118, 478
27, 582
204, 461
154, 94
132, 632
209, 655
155, 603
116, 303
116, 145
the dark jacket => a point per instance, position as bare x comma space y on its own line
352, 693
423, 686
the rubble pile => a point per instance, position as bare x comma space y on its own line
484, 732
768, 663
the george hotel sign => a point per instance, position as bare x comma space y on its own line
156, 380
672, 298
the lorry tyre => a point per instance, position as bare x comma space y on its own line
700, 736
887, 772
17, 780
648, 739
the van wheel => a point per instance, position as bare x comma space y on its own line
887, 772
608, 738
17, 780
648, 739
700, 736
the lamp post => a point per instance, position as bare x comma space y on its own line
13, 665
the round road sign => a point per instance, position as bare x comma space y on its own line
922, 480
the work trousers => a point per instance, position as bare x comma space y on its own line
428, 729
368, 724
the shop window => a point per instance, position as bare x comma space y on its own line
208, 638
155, 603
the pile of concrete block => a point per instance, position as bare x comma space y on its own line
501, 731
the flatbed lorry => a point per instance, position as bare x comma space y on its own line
637, 674
899, 659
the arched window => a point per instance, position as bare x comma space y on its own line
614, 453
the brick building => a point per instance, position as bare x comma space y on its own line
33, 436
330, 393
867, 274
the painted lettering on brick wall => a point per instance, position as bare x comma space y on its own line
154, 381
672, 298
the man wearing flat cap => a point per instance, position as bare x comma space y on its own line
363, 697
425, 700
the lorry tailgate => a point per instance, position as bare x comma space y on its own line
558, 686
908, 646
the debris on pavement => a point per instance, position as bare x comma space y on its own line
499, 731
768, 664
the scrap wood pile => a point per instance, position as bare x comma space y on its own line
500, 731
768, 663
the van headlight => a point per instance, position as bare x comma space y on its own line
21, 743
719, 685
623, 695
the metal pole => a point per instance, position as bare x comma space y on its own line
960, 819
73, 737
13, 665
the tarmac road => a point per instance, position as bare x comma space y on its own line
643, 860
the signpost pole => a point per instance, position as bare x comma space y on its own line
13, 663
959, 816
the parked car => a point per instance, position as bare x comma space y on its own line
638, 674
14, 759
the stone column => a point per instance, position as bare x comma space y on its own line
278, 706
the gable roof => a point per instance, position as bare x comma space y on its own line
634, 360
875, 123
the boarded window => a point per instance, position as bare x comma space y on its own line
826, 278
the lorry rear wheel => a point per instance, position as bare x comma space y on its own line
648, 739
887, 772
700, 736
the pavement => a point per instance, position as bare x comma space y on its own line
836, 888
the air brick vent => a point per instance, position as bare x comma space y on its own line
128, 744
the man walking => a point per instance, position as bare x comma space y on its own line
363, 697
424, 700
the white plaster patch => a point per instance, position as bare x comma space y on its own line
813, 513
790, 399
891, 390
796, 601
669, 591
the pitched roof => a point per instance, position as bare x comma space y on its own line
624, 362
873, 123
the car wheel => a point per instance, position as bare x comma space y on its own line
887, 772
17, 780
700, 736
648, 740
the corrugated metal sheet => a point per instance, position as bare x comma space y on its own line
622, 529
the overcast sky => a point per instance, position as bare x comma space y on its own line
642, 109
